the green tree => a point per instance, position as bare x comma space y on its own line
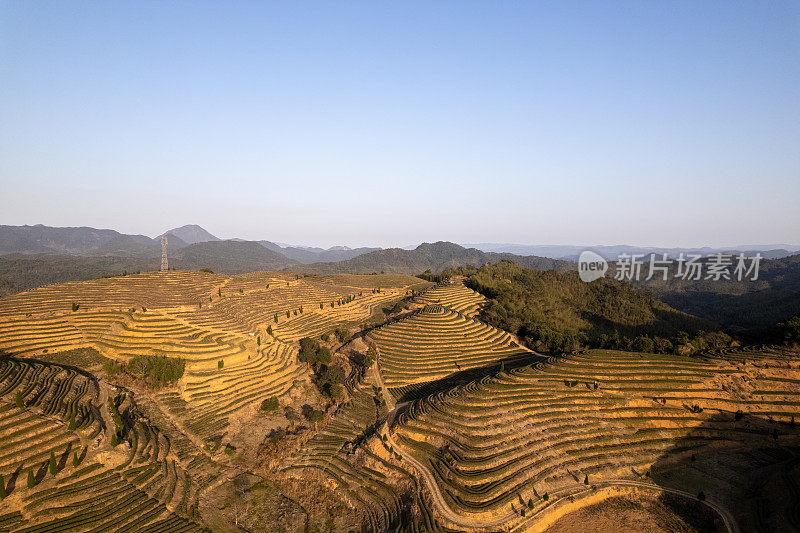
75, 459
586, 480
220, 363
276, 317
269, 330
288, 314
219, 292
18, 400
114, 440
546, 496
270, 404
530, 503
53, 465
72, 424
75, 306
31, 478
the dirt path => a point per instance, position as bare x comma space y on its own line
436, 495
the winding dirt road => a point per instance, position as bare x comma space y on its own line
503, 520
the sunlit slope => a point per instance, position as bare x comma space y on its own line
236, 334
455, 296
436, 342
599, 416
64, 469
151, 289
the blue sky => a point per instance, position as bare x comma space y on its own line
377, 123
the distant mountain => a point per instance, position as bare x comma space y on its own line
229, 257
571, 252
45, 239
434, 257
306, 255
190, 234
138, 246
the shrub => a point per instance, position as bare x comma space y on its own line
290, 413
219, 293
312, 353
328, 381
643, 344
157, 370
313, 415
370, 357
341, 334
220, 363
229, 450
258, 341
112, 368
18, 400
269, 330
586, 480
701, 496
207, 270
75, 459
276, 317
75, 306
288, 314
53, 466
276, 435
530, 503
71, 426
114, 440
546, 496
31, 478
269, 405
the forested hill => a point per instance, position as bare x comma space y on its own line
556, 311
435, 257
773, 298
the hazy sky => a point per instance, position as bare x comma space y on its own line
651, 123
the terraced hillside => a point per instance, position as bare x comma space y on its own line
436, 342
246, 429
237, 339
72, 463
456, 296
560, 427
204, 319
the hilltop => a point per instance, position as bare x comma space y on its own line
190, 234
434, 257
556, 311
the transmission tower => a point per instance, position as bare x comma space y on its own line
164, 262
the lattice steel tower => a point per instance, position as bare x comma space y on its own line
164, 262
